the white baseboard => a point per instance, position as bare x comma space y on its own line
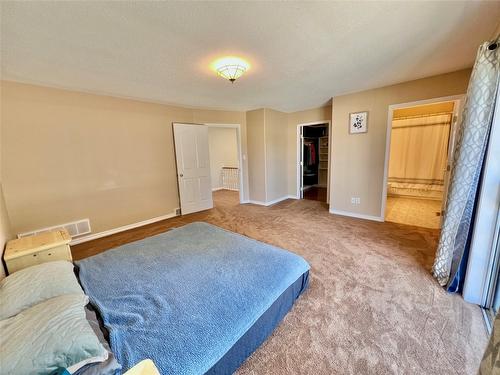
109, 232
222, 188
356, 215
292, 197
270, 203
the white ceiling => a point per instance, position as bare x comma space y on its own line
302, 53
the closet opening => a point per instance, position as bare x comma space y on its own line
420, 140
313, 161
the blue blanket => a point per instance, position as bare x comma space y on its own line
185, 297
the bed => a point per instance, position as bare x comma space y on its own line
197, 299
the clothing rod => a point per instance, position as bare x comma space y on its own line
425, 115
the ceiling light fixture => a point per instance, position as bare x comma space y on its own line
230, 67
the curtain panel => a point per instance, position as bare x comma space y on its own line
472, 140
419, 148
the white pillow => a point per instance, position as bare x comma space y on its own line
35, 284
52, 334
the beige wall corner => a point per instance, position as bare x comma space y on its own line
357, 160
5, 229
256, 154
276, 155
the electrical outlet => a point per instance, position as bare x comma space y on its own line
355, 200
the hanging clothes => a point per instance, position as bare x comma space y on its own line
309, 154
312, 150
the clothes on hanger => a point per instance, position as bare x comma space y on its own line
309, 153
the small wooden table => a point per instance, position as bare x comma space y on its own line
44, 247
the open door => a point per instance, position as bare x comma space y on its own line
193, 167
301, 163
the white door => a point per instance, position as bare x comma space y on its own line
301, 162
193, 167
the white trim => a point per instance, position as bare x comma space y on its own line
223, 188
482, 266
270, 203
109, 232
240, 154
299, 145
264, 126
392, 107
356, 215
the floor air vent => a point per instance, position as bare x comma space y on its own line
75, 229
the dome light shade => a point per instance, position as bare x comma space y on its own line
230, 67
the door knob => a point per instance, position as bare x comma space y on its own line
181, 175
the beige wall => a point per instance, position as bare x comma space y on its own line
256, 155
223, 147
5, 231
70, 155
294, 119
276, 154
267, 154
358, 160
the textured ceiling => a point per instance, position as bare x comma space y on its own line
302, 53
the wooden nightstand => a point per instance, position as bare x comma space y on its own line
41, 248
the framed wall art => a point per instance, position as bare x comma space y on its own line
358, 122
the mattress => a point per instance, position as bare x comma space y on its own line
197, 299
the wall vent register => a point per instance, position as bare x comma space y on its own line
74, 228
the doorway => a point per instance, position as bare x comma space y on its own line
420, 141
313, 143
225, 164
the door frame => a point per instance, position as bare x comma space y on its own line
240, 154
299, 176
457, 110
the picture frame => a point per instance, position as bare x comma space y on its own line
358, 122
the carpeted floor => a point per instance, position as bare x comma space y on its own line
372, 306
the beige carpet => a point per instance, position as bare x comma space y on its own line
372, 306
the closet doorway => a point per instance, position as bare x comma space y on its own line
420, 140
313, 153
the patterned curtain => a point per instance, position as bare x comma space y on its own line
472, 140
